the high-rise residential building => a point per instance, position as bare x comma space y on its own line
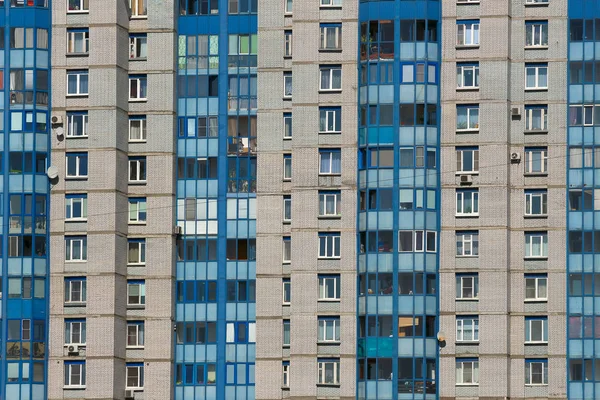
303, 199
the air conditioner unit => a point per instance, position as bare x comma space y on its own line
466, 179
129, 395
516, 112
177, 230
515, 157
73, 349
56, 119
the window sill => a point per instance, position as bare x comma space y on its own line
75, 304
288, 13
137, 141
458, 173
467, 342
329, 258
287, 138
138, 58
535, 216
328, 385
329, 342
139, 17
75, 220
134, 348
535, 174
76, 178
330, 132
136, 306
76, 95
462, 131
287, 57
137, 223
77, 137
78, 12
533, 132
536, 4
75, 261
535, 258
287, 98
287, 221
467, 384
464, 3
329, 217
286, 304
536, 300
466, 215
73, 387
287, 179
336, 174
468, 89
322, 91
136, 182
536, 343
329, 300
286, 388
86, 54
136, 264
466, 46
466, 256
536, 384
74, 344
536, 89
286, 262
469, 300
536, 47
327, 7
138, 100
330, 50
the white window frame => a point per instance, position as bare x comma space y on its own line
71, 337
78, 157
78, 74
329, 242
535, 32
540, 294
460, 373
329, 154
135, 45
135, 166
468, 241
542, 197
337, 45
286, 287
84, 7
136, 13
322, 374
467, 33
529, 373
331, 3
469, 110
420, 241
288, 40
330, 119
334, 325
139, 377
74, 37
326, 198
529, 111
70, 202
473, 285
135, 329
137, 209
460, 329
287, 209
287, 133
70, 256
529, 161
142, 129
461, 195
141, 296
286, 374
467, 1
331, 71
543, 326
139, 82
537, 75
460, 155
71, 125
460, 74
82, 291
141, 251
324, 285
286, 161
289, 6
287, 77
529, 246
536, 2
72, 370
287, 249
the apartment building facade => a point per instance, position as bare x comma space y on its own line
309, 199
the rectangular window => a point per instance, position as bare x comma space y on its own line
467, 329
582, 157
77, 83
467, 203
330, 204
77, 124
286, 374
330, 120
467, 118
331, 77
536, 76
75, 291
536, 244
136, 293
467, 244
134, 376
287, 85
467, 287
288, 6
287, 291
331, 3
138, 8
536, 372
287, 52
328, 372
75, 331
287, 249
77, 165
330, 162
287, 208
287, 167
329, 329
536, 118
536, 330
137, 169
135, 334
138, 88
76, 248
76, 6
137, 210
136, 253
467, 76
329, 245
287, 125
75, 374
138, 47
467, 371
536, 288
137, 129
417, 241
467, 33
76, 207
536, 33
536, 160
536, 202
78, 41
331, 37
584, 115
528, 1
286, 333
467, 160
329, 287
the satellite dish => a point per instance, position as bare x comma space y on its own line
441, 337
60, 131
52, 172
